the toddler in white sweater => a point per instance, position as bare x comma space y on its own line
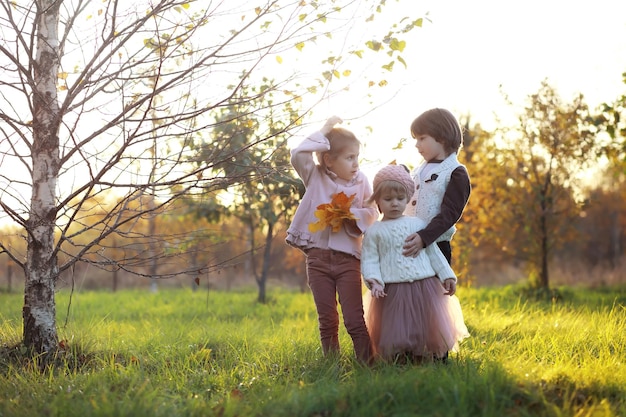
413, 312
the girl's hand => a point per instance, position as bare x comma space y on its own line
330, 123
352, 228
376, 289
450, 286
412, 245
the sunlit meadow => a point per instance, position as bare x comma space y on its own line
185, 353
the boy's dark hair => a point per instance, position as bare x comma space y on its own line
339, 139
442, 126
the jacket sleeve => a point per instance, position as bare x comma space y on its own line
370, 260
366, 215
302, 155
439, 263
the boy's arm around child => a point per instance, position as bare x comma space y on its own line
454, 202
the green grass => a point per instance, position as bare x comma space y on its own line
183, 353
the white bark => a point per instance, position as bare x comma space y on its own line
41, 266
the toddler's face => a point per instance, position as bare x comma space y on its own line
346, 164
392, 204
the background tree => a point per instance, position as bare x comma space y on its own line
601, 224
268, 192
527, 191
86, 87
467, 244
481, 224
612, 122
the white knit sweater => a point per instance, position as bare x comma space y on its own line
382, 259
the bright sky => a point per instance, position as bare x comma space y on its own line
470, 48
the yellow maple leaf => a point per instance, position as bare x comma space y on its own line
334, 213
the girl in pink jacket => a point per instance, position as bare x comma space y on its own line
328, 227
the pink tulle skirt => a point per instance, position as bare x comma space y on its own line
414, 318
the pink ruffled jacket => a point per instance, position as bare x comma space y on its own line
321, 185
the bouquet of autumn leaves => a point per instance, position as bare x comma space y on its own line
334, 213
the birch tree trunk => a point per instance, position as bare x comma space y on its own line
41, 266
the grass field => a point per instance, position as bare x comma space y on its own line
184, 353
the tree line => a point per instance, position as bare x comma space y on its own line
529, 207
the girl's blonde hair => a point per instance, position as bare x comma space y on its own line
339, 139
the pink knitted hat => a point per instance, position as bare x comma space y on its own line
397, 173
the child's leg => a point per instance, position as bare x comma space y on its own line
347, 268
323, 288
446, 249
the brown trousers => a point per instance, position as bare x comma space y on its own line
330, 274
